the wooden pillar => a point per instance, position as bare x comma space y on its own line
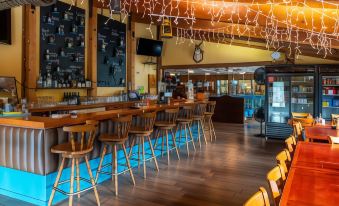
131, 52
29, 51
159, 61
92, 47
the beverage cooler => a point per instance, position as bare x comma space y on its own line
287, 93
329, 95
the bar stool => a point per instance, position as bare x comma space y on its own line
142, 127
163, 126
184, 121
208, 119
118, 137
74, 150
198, 119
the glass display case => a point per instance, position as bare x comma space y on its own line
287, 93
329, 96
302, 94
278, 99
222, 87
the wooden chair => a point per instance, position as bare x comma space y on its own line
298, 131
208, 119
141, 128
198, 119
290, 145
75, 150
184, 121
166, 124
260, 198
334, 118
300, 115
284, 159
116, 138
333, 140
305, 122
276, 179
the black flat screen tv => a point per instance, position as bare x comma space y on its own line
149, 47
5, 26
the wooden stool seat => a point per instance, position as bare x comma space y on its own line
141, 129
208, 119
116, 138
184, 121
75, 150
66, 149
199, 120
165, 125
111, 138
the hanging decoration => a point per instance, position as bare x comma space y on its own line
283, 24
166, 28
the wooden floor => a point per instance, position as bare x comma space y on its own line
225, 172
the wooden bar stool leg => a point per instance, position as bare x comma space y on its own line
92, 181
100, 164
128, 164
131, 147
190, 132
78, 175
56, 181
203, 130
175, 144
180, 132
115, 168
153, 155
157, 134
167, 147
162, 142
139, 139
215, 136
70, 201
198, 124
186, 137
143, 155
210, 129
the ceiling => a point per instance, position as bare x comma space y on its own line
291, 26
214, 71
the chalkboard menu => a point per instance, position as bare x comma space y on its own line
62, 46
111, 66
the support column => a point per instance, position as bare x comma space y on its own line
131, 52
92, 47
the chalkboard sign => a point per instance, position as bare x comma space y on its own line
62, 46
111, 66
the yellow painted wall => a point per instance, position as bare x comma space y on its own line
214, 53
11, 55
142, 71
313, 60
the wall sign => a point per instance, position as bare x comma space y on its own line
62, 46
111, 65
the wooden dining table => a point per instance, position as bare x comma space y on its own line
313, 178
320, 132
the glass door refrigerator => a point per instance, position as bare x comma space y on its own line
287, 93
329, 96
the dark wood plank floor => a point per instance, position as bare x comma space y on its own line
225, 172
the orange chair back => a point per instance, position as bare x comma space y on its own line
260, 198
289, 144
304, 121
284, 158
276, 179
300, 115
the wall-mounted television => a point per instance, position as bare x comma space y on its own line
5, 26
149, 47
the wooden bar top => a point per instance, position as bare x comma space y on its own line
36, 122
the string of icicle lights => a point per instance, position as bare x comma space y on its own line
282, 23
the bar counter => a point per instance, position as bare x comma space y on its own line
28, 168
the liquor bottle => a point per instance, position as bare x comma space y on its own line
49, 80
